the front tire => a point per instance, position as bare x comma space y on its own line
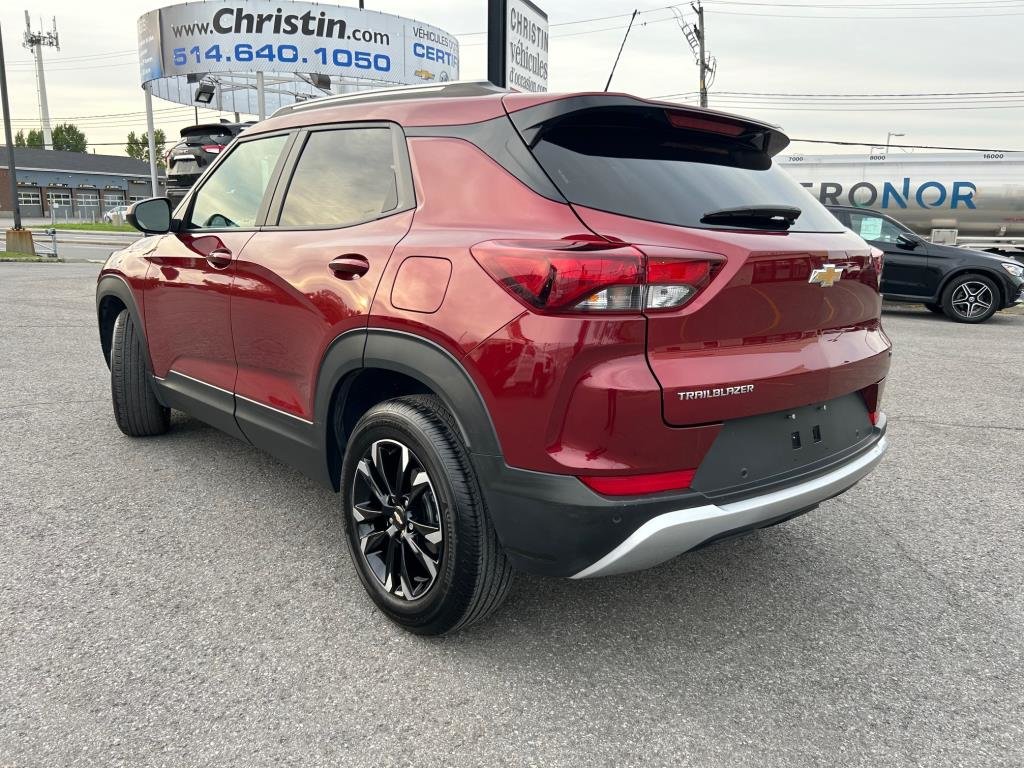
416, 525
970, 299
137, 411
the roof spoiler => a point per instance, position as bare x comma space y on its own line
531, 120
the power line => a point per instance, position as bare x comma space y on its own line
901, 146
928, 4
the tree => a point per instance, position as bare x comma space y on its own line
34, 139
67, 137
138, 146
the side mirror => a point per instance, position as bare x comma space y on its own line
907, 241
152, 216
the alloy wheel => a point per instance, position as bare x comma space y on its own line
972, 299
397, 519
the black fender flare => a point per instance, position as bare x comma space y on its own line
115, 285
413, 356
438, 369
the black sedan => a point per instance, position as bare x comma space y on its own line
967, 286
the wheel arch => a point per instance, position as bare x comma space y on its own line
971, 269
113, 296
366, 367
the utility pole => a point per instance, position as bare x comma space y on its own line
12, 171
702, 60
35, 42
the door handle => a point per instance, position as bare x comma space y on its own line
219, 258
351, 266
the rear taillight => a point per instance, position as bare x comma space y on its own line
635, 485
213, 149
595, 276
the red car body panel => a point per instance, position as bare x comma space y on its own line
287, 305
187, 307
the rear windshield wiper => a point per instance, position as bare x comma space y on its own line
755, 216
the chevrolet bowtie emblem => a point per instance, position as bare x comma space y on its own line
827, 276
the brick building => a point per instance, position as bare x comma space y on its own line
72, 185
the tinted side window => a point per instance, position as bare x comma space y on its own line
343, 177
874, 228
231, 197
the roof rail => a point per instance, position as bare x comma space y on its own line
457, 88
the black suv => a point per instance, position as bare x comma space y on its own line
965, 285
199, 146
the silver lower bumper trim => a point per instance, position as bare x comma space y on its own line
673, 533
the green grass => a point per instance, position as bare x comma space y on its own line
14, 256
97, 227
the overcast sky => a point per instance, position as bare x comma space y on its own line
788, 47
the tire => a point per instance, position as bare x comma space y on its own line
970, 299
935, 308
136, 409
426, 552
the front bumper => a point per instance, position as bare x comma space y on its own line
553, 525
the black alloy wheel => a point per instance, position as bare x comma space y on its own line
416, 522
398, 522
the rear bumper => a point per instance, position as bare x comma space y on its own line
553, 525
676, 532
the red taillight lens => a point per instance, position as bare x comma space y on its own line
213, 149
595, 276
565, 275
699, 123
674, 280
873, 400
635, 485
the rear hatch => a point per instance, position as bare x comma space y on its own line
788, 314
199, 146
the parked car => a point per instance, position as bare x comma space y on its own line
965, 285
572, 334
199, 146
117, 213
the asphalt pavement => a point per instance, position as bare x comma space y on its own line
187, 600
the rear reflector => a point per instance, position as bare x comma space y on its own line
635, 485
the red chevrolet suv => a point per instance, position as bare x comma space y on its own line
571, 334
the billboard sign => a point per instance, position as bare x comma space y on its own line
247, 36
517, 45
527, 44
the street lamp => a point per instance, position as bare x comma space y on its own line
889, 138
204, 93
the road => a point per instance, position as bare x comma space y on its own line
186, 600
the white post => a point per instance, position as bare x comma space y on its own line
44, 109
152, 142
261, 96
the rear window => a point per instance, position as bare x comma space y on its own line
208, 137
633, 162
